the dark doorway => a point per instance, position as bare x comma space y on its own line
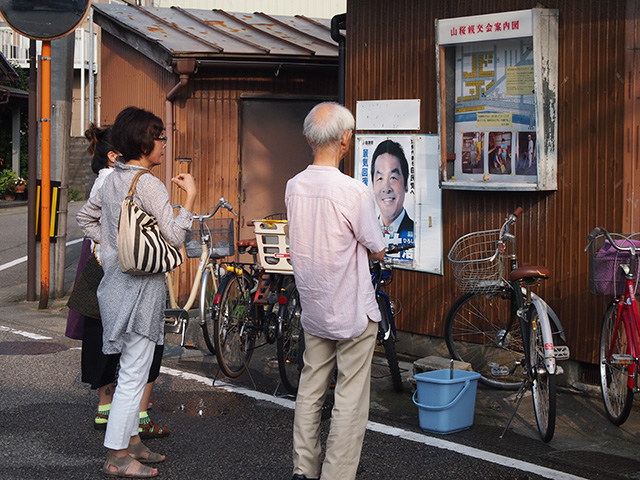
273, 150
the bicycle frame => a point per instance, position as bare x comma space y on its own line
523, 297
380, 274
176, 318
628, 307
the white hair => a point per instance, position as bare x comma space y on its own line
327, 130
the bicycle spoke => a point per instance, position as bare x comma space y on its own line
544, 383
234, 340
477, 332
616, 394
291, 343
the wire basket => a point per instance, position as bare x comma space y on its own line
220, 231
605, 275
477, 264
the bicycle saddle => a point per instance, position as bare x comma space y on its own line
250, 244
529, 272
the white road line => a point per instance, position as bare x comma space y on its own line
33, 336
24, 259
393, 431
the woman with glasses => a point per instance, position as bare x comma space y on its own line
132, 306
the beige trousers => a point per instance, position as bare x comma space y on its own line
350, 411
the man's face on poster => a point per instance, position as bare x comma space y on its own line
388, 187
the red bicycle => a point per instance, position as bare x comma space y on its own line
612, 271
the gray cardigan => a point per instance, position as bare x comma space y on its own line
130, 303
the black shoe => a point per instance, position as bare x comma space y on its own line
297, 476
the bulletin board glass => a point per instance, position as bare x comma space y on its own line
497, 77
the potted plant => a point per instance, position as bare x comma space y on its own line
21, 184
7, 183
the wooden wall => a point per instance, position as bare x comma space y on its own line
206, 115
391, 55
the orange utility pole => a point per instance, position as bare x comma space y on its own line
45, 189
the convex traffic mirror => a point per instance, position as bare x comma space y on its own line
44, 19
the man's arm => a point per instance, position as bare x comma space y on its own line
379, 256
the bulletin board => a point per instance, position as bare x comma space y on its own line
497, 79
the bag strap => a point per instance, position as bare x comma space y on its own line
134, 182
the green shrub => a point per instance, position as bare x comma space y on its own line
7, 182
74, 195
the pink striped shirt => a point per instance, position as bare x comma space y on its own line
332, 228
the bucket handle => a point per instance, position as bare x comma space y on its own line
444, 407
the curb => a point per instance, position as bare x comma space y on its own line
13, 203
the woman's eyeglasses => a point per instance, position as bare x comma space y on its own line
162, 139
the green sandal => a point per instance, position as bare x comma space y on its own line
151, 430
122, 464
143, 454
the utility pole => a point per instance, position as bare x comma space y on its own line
42, 21
61, 99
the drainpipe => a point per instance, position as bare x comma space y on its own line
339, 22
184, 68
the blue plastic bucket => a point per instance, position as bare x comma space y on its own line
446, 405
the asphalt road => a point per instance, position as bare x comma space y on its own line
217, 432
242, 429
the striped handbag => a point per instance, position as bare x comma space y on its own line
142, 250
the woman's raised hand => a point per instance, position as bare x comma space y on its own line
186, 182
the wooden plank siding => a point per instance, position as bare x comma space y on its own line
391, 55
206, 116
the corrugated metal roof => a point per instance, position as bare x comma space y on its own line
165, 34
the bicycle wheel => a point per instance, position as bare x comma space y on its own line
617, 395
234, 339
544, 384
291, 343
479, 331
207, 309
389, 346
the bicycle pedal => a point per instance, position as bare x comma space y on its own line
190, 346
561, 352
175, 319
498, 371
622, 359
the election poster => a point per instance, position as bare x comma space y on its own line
401, 171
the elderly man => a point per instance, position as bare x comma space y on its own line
333, 231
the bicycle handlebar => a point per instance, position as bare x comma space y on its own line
599, 230
222, 203
510, 220
398, 247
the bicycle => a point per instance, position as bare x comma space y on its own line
499, 326
211, 240
381, 276
256, 299
612, 271
293, 337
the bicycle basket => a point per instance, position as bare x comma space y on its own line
605, 275
220, 231
478, 266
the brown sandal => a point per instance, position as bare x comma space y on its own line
143, 454
122, 464
151, 430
